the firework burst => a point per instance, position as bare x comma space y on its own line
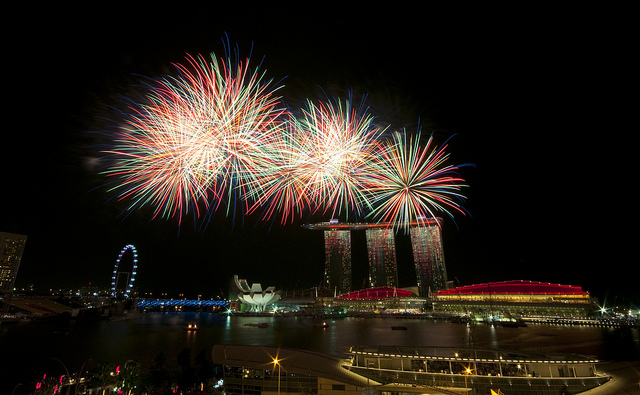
316, 165
199, 137
409, 183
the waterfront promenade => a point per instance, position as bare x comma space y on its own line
625, 379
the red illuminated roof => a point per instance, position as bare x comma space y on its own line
376, 293
513, 287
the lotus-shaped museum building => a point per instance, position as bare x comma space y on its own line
254, 296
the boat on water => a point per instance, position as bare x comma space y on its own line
323, 325
258, 325
476, 371
399, 328
513, 323
191, 327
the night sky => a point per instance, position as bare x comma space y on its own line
514, 95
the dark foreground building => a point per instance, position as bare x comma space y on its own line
269, 370
402, 370
11, 250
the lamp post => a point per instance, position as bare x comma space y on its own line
466, 373
80, 375
15, 388
276, 362
66, 370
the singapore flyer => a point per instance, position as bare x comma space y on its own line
132, 278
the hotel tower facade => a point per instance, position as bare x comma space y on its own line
428, 256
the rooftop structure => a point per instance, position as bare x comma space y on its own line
378, 299
336, 225
376, 293
517, 287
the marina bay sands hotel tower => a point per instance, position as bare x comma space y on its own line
428, 255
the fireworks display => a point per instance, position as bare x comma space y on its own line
409, 183
217, 134
317, 164
197, 138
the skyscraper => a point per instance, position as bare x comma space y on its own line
426, 242
337, 269
428, 257
11, 249
381, 247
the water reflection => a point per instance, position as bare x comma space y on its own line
470, 336
494, 337
142, 338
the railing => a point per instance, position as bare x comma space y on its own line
151, 303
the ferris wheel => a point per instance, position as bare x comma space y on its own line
132, 276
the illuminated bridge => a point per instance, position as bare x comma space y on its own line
150, 303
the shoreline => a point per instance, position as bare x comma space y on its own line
625, 378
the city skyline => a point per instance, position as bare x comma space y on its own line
495, 95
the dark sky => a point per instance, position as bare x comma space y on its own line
516, 93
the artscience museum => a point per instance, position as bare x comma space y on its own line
254, 297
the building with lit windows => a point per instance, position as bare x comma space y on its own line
376, 300
428, 258
337, 269
11, 249
426, 242
337, 246
381, 248
515, 298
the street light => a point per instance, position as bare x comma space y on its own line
80, 375
466, 373
276, 362
66, 370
